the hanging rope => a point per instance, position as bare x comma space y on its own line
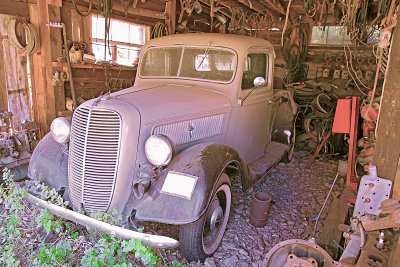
159, 30
32, 37
83, 14
105, 8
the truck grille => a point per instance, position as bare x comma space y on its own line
93, 158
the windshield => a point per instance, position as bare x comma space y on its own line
205, 63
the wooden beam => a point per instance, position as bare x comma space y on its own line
3, 88
170, 11
387, 150
337, 214
11, 7
255, 5
141, 12
396, 185
128, 19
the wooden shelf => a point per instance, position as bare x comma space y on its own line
91, 66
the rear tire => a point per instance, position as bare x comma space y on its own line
200, 239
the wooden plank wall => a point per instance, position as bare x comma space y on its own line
44, 95
387, 151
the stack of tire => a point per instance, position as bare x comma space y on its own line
31, 34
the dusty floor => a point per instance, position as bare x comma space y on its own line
298, 192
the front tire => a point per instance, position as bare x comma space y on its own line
200, 239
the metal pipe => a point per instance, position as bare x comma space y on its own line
119, 232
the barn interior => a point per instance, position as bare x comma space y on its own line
335, 203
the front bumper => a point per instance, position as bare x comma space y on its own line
146, 239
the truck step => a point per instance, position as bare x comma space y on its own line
274, 152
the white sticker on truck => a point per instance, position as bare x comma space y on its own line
179, 185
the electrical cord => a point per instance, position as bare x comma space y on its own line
323, 206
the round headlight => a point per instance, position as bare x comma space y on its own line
60, 130
158, 150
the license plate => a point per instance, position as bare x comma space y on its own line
179, 185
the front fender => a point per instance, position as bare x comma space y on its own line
205, 161
49, 164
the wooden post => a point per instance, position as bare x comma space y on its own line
387, 150
170, 21
87, 33
44, 95
396, 185
3, 88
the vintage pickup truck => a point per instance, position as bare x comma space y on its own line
202, 110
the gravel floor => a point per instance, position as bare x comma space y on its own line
298, 192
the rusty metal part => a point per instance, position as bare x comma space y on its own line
260, 209
16, 146
294, 261
302, 251
146, 239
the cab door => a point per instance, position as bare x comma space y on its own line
254, 113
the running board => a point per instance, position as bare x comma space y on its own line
274, 152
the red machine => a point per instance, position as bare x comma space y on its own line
346, 121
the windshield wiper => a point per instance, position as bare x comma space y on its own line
205, 55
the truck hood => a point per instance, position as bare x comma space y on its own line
172, 102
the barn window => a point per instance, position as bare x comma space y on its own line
332, 35
126, 40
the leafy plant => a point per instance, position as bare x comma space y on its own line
38, 238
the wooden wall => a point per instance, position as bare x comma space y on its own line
387, 151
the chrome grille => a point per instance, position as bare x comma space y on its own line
93, 157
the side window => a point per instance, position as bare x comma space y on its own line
256, 65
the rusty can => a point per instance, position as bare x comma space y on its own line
260, 209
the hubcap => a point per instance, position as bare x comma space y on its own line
216, 219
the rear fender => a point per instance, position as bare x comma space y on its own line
206, 161
49, 164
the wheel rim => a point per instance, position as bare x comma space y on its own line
216, 219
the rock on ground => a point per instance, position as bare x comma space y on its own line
298, 193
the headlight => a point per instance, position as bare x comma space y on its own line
158, 150
60, 129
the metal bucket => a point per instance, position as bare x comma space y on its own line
260, 209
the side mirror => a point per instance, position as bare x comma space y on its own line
259, 82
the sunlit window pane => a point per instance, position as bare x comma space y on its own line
331, 35
126, 37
